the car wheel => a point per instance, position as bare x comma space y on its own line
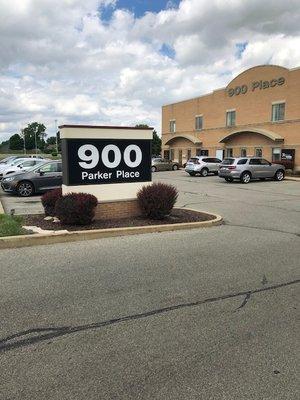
153, 169
204, 172
228, 179
175, 167
279, 176
25, 189
246, 177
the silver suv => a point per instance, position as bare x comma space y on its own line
247, 168
202, 165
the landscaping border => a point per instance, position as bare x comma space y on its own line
10, 242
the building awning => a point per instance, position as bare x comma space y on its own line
191, 138
270, 135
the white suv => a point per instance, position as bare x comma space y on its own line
202, 165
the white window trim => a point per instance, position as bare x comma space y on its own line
227, 111
199, 115
274, 103
278, 102
172, 120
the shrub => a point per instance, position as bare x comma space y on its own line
11, 225
54, 153
49, 200
156, 201
76, 208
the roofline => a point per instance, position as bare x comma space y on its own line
104, 127
225, 87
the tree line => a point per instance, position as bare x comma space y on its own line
34, 136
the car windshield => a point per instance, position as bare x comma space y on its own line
37, 166
16, 161
194, 160
228, 161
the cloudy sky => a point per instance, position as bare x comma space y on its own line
117, 61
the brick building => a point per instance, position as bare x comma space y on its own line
258, 113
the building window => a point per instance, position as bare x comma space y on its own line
171, 154
230, 118
278, 110
166, 154
199, 122
198, 152
276, 154
229, 152
204, 153
189, 153
243, 152
258, 152
173, 126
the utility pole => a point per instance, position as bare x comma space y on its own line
23, 134
35, 141
56, 139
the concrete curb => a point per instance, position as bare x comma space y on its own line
10, 242
292, 178
1, 207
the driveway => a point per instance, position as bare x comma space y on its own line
206, 314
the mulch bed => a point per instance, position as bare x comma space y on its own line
177, 216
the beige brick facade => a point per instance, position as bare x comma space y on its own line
251, 95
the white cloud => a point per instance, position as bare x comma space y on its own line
59, 60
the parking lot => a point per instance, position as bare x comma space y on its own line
194, 314
261, 204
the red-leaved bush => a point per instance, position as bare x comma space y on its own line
49, 199
76, 208
156, 201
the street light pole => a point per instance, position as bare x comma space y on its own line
24, 144
35, 141
56, 140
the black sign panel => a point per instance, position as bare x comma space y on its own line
105, 161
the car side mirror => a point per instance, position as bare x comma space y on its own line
41, 172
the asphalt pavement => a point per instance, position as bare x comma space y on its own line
200, 314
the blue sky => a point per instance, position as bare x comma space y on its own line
140, 7
76, 66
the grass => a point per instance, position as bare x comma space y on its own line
11, 225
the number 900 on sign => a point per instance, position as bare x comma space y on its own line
90, 156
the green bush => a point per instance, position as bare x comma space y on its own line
11, 225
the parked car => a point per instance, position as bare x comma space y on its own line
162, 164
10, 159
21, 165
11, 163
201, 165
247, 168
38, 179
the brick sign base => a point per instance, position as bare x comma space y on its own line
117, 210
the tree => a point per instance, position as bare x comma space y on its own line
156, 144
16, 142
156, 141
51, 140
32, 131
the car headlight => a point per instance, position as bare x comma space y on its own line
11, 178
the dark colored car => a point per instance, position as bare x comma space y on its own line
38, 179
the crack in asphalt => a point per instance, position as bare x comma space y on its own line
245, 301
260, 228
47, 333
